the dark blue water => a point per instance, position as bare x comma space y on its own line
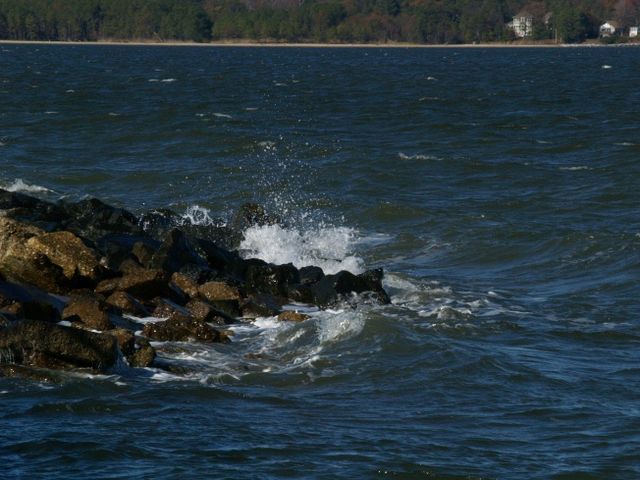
499, 189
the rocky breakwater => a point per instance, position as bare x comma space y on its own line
76, 278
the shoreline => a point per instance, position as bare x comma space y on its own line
248, 44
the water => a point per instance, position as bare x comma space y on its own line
498, 188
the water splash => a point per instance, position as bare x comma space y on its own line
20, 186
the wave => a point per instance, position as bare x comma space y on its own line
19, 185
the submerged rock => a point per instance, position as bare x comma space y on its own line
182, 328
89, 310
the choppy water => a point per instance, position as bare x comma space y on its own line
498, 188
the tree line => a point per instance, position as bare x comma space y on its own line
359, 21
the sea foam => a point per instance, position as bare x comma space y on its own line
20, 186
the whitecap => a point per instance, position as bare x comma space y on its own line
114, 114
576, 168
197, 215
222, 115
70, 91
50, 112
20, 186
417, 156
168, 80
606, 67
251, 109
330, 248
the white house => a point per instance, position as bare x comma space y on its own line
610, 28
522, 24
633, 32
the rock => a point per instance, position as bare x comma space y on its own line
127, 304
215, 291
260, 305
144, 284
33, 211
300, 293
290, 316
175, 252
49, 345
77, 261
166, 308
220, 259
157, 223
201, 310
185, 283
89, 310
252, 214
126, 340
331, 288
144, 251
310, 275
94, 219
143, 357
130, 266
182, 328
29, 302
261, 277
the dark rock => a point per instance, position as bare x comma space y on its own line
331, 288
260, 305
94, 219
143, 251
143, 357
88, 309
252, 214
185, 283
127, 304
166, 308
157, 223
290, 316
268, 278
145, 284
29, 302
130, 266
49, 345
182, 328
222, 236
300, 293
175, 252
26, 209
310, 275
116, 248
126, 340
201, 310
217, 291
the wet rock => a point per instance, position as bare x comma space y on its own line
300, 293
48, 345
126, 340
252, 214
220, 259
127, 304
157, 223
310, 275
166, 308
143, 251
143, 284
201, 310
290, 316
260, 305
182, 328
33, 211
175, 252
29, 302
143, 357
215, 291
185, 283
331, 288
94, 219
116, 248
88, 309
77, 261
261, 277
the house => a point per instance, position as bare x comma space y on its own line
633, 32
610, 28
522, 24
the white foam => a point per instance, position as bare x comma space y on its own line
20, 186
576, 168
606, 67
330, 248
221, 115
168, 80
404, 156
197, 215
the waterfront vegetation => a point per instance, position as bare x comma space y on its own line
332, 21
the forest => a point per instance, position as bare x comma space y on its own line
332, 21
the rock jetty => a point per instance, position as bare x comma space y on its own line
75, 277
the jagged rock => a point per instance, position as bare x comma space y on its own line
129, 266
185, 283
260, 305
29, 302
49, 345
215, 291
117, 248
69, 253
300, 293
127, 304
290, 316
166, 308
330, 289
144, 251
175, 252
310, 275
126, 340
33, 211
251, 214
88, 309
262, 277
221, 259
143, 284
157, 223
182, 328
143, 357
201, 310
94, 219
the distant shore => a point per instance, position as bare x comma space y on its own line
245, 43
